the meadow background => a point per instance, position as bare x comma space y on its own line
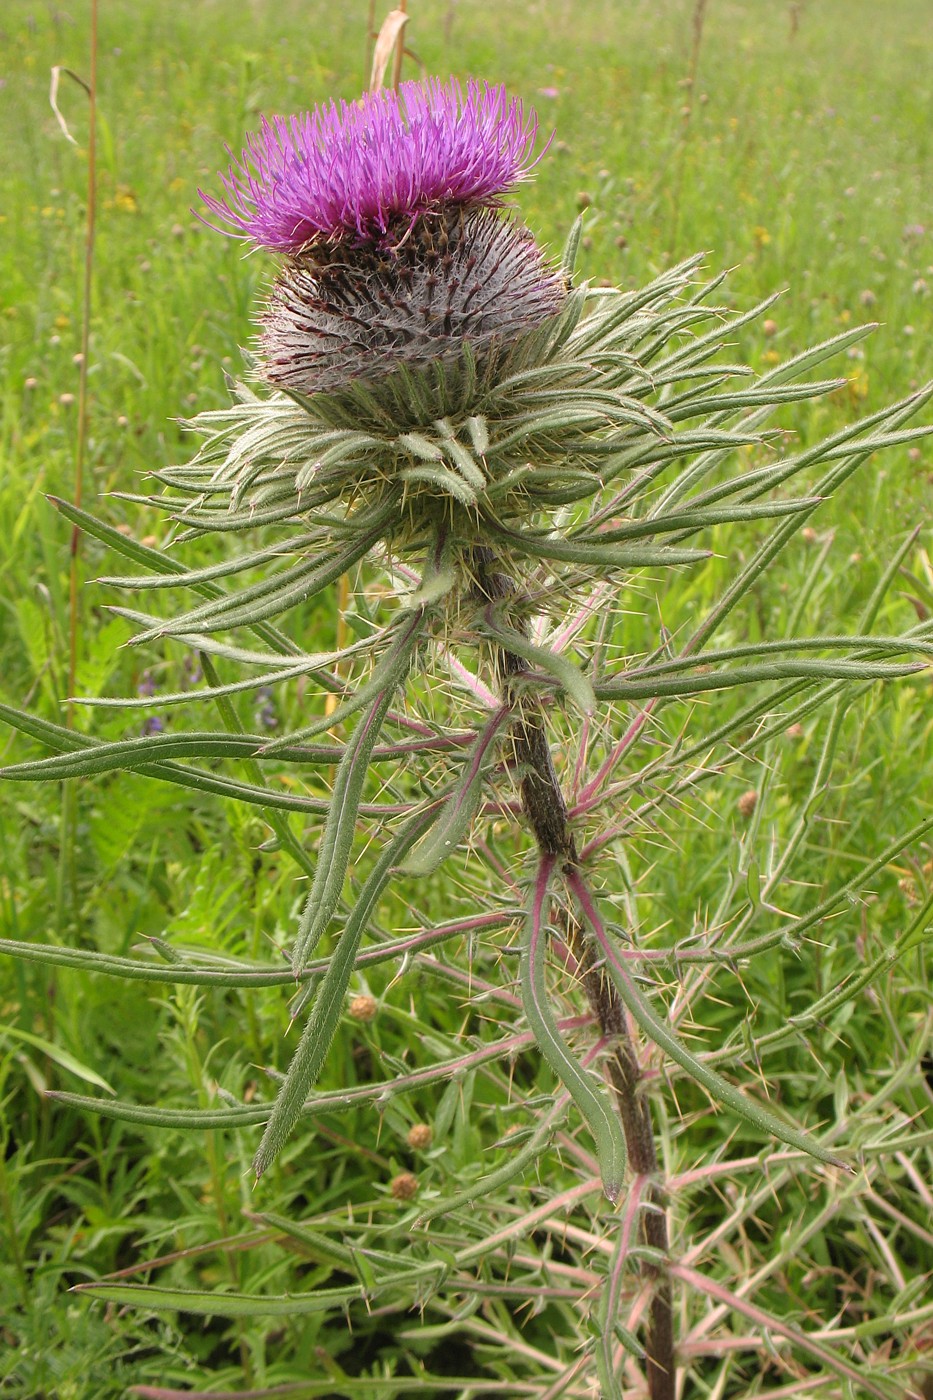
791, 141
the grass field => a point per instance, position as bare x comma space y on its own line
798, 155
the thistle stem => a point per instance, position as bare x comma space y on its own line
545, 811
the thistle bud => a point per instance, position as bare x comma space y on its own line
403, 1186
420, 1137
363, 1008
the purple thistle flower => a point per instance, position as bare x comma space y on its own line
350, 171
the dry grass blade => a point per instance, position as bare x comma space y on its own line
388, 41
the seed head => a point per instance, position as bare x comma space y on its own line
420, 1136
363, 1008
403, 1186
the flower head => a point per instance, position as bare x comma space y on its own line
473, 278
348, 172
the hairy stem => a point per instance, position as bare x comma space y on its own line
545, 811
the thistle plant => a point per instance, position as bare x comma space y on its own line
497, 456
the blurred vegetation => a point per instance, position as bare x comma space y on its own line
800, 156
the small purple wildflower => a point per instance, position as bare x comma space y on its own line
348, 172
266, 716
190, 673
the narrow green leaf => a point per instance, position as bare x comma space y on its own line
59, 1056
591, 1102
355, 701
307, 665
450, 482
229, 972
458, 811
337, 840
593, 551
321, 1025
328, 1004
466, 464
268, 597
707, 405
421, 447
214, 1303
195, 778
129, 754
56, 736
335, 1101
818, 354
568, 257
567, 675
690, 521
680, 686
160, 563
192, 578
478, 429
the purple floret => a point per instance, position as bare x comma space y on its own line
348, 171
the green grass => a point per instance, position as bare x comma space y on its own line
805, 164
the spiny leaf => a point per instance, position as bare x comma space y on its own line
421, 447
638, 688
689, 521
161, 563
321, 1025
306, 665
234, 564
335, 1101
449, 481
565, 672
720, 1089
568, 257
231, 972
337, 840
602, 1122
170, 772
269, 597
214, 1303
458, 811
593, 551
